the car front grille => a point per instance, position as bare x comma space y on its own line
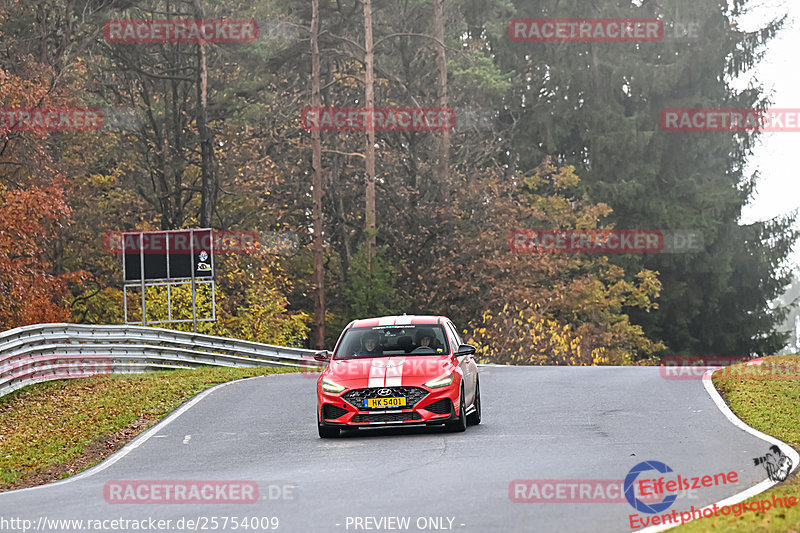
412, 394
442, 407
385, 417
332, 411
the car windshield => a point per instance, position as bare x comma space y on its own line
392, 340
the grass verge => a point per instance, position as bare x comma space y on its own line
766, 398
55, 429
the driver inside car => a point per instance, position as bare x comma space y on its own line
371, 344
426, 339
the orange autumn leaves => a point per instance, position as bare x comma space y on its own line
32, 208
29, 293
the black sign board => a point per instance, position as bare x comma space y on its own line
168, 255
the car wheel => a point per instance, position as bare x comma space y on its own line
460, 424
327, 432
475, 418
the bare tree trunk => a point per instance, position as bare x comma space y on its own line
208, 198
369, 102
316, 215
443, 162
41, 16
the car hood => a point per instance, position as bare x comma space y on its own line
391, 371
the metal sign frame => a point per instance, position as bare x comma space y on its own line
143, 283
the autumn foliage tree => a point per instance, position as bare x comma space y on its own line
33, 207
29, 293
444, 208
542, 308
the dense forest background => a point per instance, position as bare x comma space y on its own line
548, 135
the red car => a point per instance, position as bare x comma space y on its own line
398, 370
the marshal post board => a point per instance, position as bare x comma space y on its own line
168, 255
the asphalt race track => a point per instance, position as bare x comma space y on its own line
564, 423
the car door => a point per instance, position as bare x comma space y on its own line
467, 365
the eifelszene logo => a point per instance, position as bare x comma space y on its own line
638, 504
776, 463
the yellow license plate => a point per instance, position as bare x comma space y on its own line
385, 402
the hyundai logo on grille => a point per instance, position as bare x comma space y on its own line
384, 392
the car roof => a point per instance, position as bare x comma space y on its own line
401, 320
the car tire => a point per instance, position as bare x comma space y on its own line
475, 418
460, 424
327, 432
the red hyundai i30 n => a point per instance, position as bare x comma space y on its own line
398, 370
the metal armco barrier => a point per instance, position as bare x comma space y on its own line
44, 352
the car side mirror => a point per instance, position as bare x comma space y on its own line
466, 349
323, 356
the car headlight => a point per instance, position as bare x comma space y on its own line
441, 381
331, 386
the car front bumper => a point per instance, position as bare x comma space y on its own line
436, 407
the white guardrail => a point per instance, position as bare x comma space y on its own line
44, 352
